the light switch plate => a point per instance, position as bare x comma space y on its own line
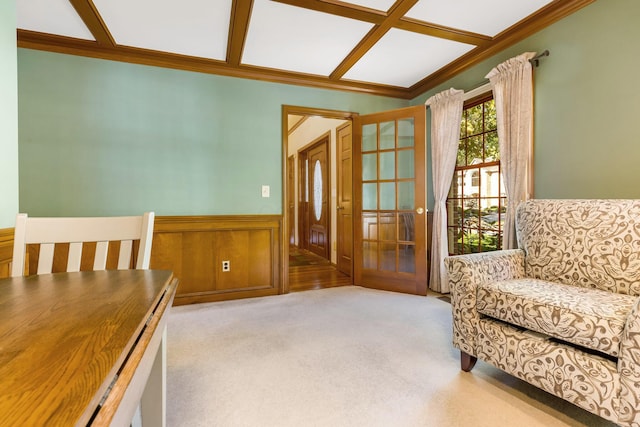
265, 191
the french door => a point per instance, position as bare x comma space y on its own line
389, 160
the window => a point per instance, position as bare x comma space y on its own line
477, 200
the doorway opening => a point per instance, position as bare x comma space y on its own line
317, 187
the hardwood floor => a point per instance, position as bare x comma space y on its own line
317, 274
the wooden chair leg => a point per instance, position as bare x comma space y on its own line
467, 361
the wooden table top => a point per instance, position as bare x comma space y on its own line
64, 336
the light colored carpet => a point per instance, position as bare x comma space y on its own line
339, 357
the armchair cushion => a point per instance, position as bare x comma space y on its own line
586, 317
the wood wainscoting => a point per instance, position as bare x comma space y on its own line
6, 252
194, 247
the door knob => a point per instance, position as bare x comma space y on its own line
420, 211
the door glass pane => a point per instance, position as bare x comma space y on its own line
369, 137
405, 133
387, 196
369, 167
406, 227
317, 190
388, 256
406, 195
405, 164
387, 135
370, 226
369, 197
387, 227
407, 258
388, 165
370, 255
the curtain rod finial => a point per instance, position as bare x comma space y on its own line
535, 61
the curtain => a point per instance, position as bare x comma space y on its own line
446, 115
512, 85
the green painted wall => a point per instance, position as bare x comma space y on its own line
587, 102
100, 137
107, 138
8, 115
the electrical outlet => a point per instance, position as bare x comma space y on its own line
226, 265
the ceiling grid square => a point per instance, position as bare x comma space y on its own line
296, 39
51, 16
189, 27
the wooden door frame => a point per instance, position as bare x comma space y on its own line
284, 235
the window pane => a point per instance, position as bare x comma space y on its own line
474, 150
405, 133
369, 137
456, 184
454, 210
387, 135
406, 227
369, 167
491, 147
454, 235
406, 195
474, 120
490, 115
387, 196
461, 159
463, 125
407, 258
388, 228
471, 214
388, 256
369, 197
370, 255
471, 241
369, 226
405, 164
388, 165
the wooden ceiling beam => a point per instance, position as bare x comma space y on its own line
377, 17
92, 19
371, 16
238, 27
397, 11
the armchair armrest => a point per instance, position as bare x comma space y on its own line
466, 272
629, 369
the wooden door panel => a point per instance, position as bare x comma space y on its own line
344, 174
389, 161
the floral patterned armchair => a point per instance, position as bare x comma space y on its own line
562, 312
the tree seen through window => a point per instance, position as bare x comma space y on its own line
477, 201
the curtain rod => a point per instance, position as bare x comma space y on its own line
535, 62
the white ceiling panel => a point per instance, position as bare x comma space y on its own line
296, 39
488, 17
51, 16
188, 27
402, 58
383, 5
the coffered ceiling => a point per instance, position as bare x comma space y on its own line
398, 48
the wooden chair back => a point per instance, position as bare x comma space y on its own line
47, 232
